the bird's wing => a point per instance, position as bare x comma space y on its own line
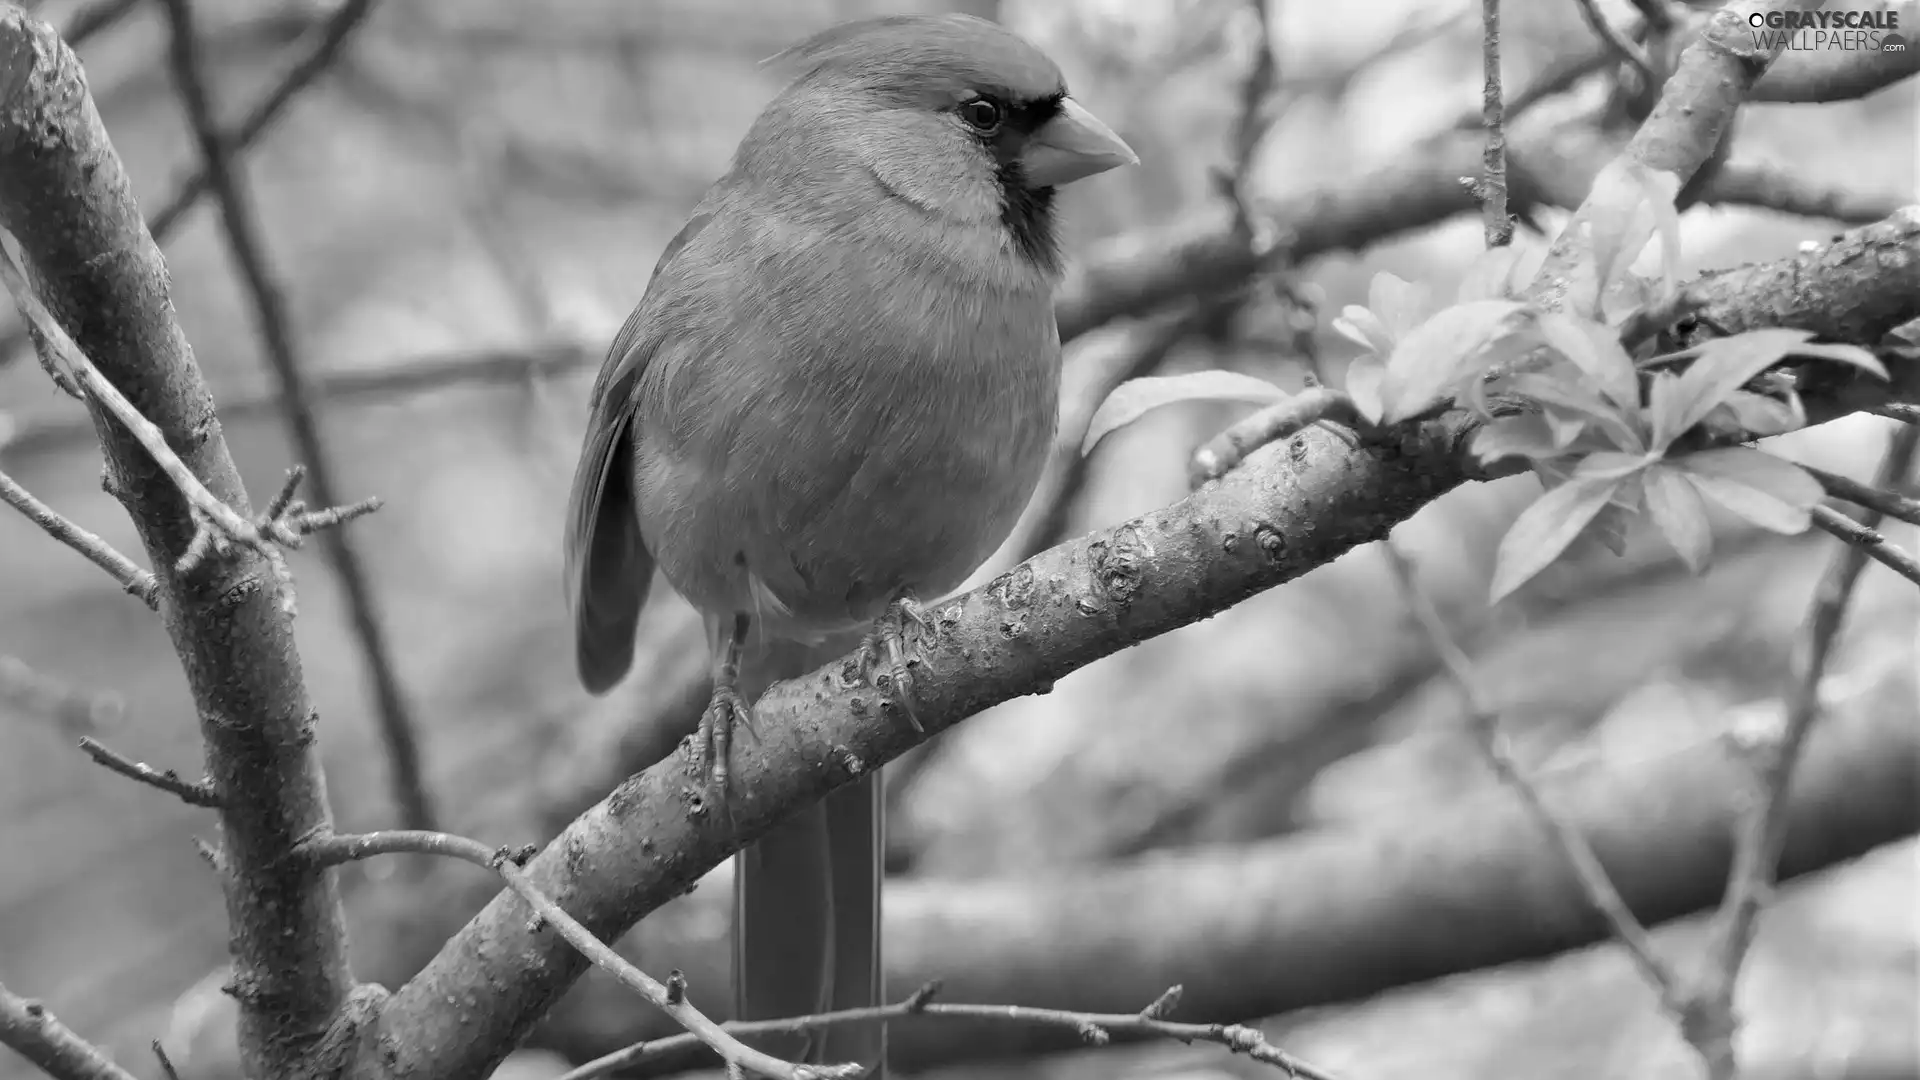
608, 567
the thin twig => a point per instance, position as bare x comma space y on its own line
328, 41
1565, 73
1892, 504
1622, 45
1096, 1028
27, 1028
140, 584
220, 525
1906, 414
1868, 541
670, 997
193, 793
1597, 886
166, 1063
1492, 189
405, 376
1763, 833
1251, 122
248, 249
1222, 453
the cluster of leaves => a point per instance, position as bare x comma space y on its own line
1613, 438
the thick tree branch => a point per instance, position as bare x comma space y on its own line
247, 246
66, 198
27, 1028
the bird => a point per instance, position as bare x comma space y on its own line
831, 404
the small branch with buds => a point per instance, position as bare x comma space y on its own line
284, 524
669, 997
193, 793
1095, 1028
140, 584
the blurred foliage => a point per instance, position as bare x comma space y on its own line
488, 176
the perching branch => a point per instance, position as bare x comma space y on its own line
65, 196
138, 583
1714, 1022
669, 997
247, 246
27, 1028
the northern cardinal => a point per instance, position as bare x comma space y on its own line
835, 398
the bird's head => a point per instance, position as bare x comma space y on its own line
952, 113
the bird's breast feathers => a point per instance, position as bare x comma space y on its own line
839, 416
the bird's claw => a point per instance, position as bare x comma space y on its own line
889, 651
725, 710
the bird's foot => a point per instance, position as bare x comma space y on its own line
725, 711
890, 649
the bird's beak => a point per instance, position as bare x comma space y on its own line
1072, 146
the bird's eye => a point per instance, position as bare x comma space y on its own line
982, 114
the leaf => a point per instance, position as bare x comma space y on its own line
1771, 492
1399, 304
1596, 351
1609, 528
1722, 366
1364, 377
1545, 529
1678, 513
1363, 328
1136, 397
1439, 353
1526, 435
1575, 398
1749, 415
1845, 354
1628, 203
1665, 408
1610, 465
